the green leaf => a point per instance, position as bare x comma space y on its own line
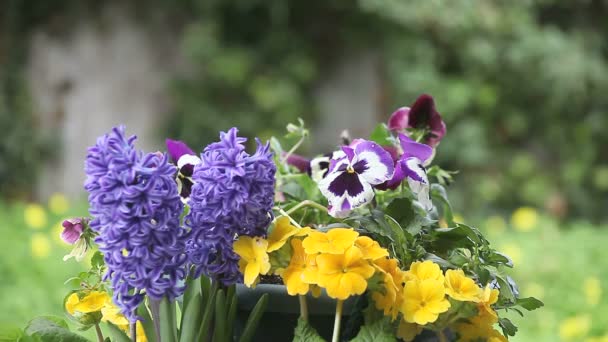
52, 329
508, 328
97, 260
168, 324
220, 317
117, 334
191, 319
498, 258
380, 331
209, 291
305, 333
438, 193
382, 135
146, 322
505, 288
254, 318
530, 303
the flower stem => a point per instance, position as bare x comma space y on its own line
307, 203
338, 319
134, 331
98, 331
303, 307
441, 336
293, 149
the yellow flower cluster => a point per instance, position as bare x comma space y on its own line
100, 302
339, 260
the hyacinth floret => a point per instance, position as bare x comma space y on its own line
232, 195
136, 211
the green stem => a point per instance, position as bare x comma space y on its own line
307, 203
98, 331
134, 332
303, 307
292, 150
337, 320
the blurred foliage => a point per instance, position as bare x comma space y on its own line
520, 84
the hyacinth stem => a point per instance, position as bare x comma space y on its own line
155, 309
303, 307
134, 331
337, 320
99, 334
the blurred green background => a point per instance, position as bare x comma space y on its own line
521, 85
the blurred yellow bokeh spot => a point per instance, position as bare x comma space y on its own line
597, 339
593, 290
524, 219
535, 290
41, 246
495, 225
513, 251
575, 328
59, 204
34, 216
458, 218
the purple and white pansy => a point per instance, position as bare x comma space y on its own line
410, 166
185, 159
353, 172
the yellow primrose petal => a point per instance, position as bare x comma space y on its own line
282, 231
424, 270
460, 287
92, 302
253, 258
371, 249
111, 313
315, 290
310, 275
408, 331
423, 301
304, 231
293, 274
386, 299
487, 297
71, 302
344, 275
335, 241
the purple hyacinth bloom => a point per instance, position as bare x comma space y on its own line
136, 213
422, 115
353, 172
185, 159
72, 230
233, 195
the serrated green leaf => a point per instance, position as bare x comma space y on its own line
530, 303
305, 333
438, 193
508, 328
379, 331
97, 260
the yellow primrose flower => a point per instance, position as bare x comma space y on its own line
394, 278
423, 301
386, 300
282, 231
111, 313
479, 328
335, 241
408, 331
371, 249
92, 302
487, 297
344, 275
58, 204
575, 328
34, 216
40, 245
460, 287
292, 276
524, 219
593, 290
423, 271
254, 259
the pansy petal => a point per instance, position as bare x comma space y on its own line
338, 158
188, 159
177, 149
399, 119
379, 165
413, 149
413, 169
349, 151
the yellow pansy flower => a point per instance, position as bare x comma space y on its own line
335, 241
344, 275
386, 299
253, 258
408, 331
423, 301
371, 249
34, 216
423, 271
575, 328
91, 302
487, 297
460, 287
524, 219
282, 231
293, 274
40, 245
58, 204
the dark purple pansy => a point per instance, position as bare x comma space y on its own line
299, 162
353, 171
185, 159
422, 115
72, 230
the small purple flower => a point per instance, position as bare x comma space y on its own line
233, 195
422, 115
185, 159
72, 230
353, 172
299, 162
